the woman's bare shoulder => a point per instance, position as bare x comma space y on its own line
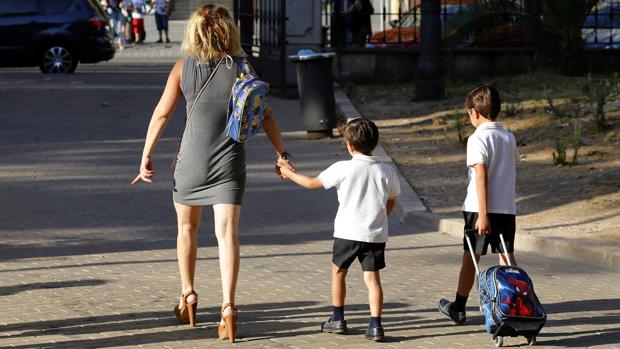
178, 66
177, 70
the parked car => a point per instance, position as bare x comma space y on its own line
601, 28
406, 31
53, 34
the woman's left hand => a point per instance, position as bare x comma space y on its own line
283, 162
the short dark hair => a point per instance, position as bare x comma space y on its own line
485, 100
363, 135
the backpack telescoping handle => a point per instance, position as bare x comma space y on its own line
468, 234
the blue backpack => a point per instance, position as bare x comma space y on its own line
246, 108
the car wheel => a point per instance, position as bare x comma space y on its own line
58, 59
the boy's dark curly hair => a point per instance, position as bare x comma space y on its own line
363, 135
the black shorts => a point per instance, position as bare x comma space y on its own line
370, 254
161, 21
500, 223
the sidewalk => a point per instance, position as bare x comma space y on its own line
409, 205
88, 261
150, 51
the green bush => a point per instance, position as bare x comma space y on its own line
599, 93
559, 155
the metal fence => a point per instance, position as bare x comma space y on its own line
602, 27
395, 23
262, 24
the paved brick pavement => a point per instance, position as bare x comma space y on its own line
88, 261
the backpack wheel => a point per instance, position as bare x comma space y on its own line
531, 340
498, 341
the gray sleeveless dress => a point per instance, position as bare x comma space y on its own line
210, 166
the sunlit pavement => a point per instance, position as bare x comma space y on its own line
88, 261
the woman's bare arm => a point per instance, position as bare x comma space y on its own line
161, 116
272, 129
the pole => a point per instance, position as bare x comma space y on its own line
429, 82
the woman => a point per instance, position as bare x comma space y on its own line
210, 166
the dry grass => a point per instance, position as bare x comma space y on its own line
578, 202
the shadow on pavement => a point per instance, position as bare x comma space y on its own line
586, 305
600, 307
290, 319
163, 237
9, 290
257, 322
584, 339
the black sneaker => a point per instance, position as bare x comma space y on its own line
375, 334
331, 326
445, 308
159, 41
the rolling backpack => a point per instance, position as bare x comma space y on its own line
507, 300
246, 107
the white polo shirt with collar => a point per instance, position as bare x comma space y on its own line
364, 185
496, 148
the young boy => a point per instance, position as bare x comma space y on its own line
490, 203
367, 193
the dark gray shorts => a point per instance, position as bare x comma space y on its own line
161, 21
370, 254
500, 223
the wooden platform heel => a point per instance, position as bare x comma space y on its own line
186, 312
227, 328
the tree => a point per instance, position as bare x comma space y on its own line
561, 23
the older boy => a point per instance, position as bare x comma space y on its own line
367, 193
490, 203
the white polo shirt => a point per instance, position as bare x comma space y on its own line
494, 146
364, 185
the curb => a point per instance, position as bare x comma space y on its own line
408, 202
410, 208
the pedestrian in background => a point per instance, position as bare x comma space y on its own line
114, 8
138, 10
210, 168
342, 20
360, 23
163, 8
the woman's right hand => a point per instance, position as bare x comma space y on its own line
146, 171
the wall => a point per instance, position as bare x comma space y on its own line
603, 61
366, 65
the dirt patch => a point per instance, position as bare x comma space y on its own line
580, 201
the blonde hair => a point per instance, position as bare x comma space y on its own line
211, 34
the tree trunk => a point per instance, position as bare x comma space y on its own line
429, 82
572, 57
